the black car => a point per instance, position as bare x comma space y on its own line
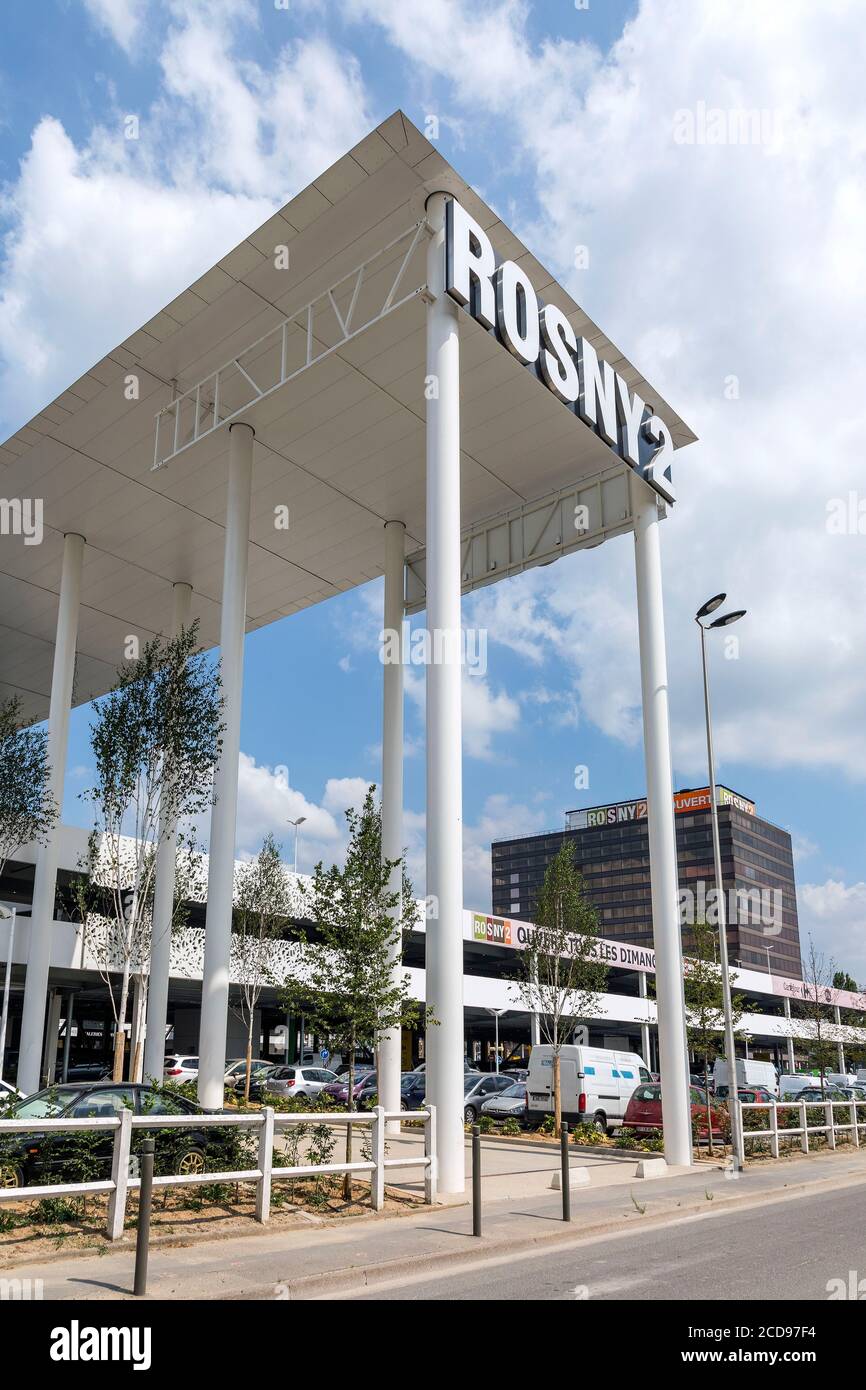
81, 1156
413, 1089
89, 1071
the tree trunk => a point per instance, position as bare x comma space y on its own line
350, 1101
120, 1035
249, 1057
557, 1097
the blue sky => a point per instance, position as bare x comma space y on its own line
732, 272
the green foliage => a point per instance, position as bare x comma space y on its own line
511, 1126
548, 1125
27, 809
486, 1124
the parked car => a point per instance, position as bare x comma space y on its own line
479, 1087
292, 1081
749, 1095
790, 1085
813, 1095
339, 1089
596, 1083
516, 1073
89, 1071
508, 1104
467, 1066
644, 1111
176, 1068
51, 1156
236, 1073
413, 1090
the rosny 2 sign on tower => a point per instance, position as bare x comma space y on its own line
502, 299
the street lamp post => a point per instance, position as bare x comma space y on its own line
6, 914
710, 607
497, 1014
297, 824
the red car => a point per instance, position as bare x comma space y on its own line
644, 1111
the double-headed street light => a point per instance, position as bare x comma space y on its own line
710, 607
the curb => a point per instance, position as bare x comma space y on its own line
355, 1278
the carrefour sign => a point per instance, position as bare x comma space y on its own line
502, 299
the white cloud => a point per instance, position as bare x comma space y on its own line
835, 914
103, 233
707, 262
120, 18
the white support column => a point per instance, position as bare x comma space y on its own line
444, 728
44, 886
163, 903
673, 1057
220, 883
644, 1028
789, 1039
390, 1042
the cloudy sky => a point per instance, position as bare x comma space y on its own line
710, 155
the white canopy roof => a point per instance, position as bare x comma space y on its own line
341, 444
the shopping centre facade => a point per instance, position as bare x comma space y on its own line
80, 1019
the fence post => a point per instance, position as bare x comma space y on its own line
119, 1175
430, 1175
774, 1137
830, 1122
377, 1177
266, 1163
804, 1141
476, 1180
855, 1124
142, 1235
565, 1171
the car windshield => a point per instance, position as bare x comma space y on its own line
45, 1104
518, 1089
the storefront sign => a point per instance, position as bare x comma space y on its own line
839, 998
504, 931
501, 297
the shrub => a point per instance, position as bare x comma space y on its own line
511, 1126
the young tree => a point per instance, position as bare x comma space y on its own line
346, 984
705, 1009
156, 737
561, 975
817, 1011
263, 907
27, 809
110, 943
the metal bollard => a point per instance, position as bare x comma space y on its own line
566, 1183
476, 1180
145, 1201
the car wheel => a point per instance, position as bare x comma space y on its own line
599, 1121
11, 1175
469, 1115
191, 1161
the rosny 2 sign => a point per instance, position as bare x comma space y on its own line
502, 299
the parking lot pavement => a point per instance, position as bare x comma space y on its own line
324, 1261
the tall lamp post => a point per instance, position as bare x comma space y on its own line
297, 824
6, 914
497, 1014
710, 607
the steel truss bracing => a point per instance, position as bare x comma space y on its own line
352, 304
534, 533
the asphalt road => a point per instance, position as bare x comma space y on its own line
787, 1250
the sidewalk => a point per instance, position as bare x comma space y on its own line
360, 1252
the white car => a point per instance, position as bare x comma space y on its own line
178, 1068
298, 1081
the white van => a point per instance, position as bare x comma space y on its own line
596, 1083
749, 1073
791, 1086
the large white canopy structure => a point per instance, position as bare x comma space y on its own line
239, 456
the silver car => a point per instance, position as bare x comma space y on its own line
479, 1087
508, 1104
298, 1081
